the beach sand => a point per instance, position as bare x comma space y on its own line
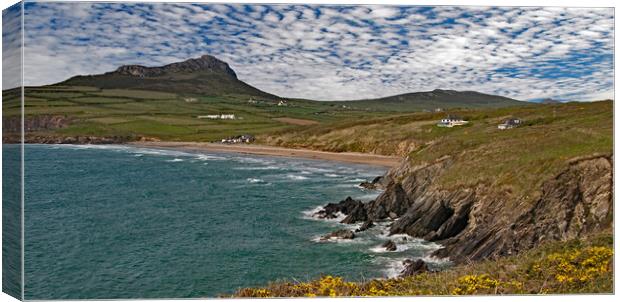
350, 157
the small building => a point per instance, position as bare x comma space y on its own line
246, 138
451, 121
438, 109
190, 100
510, 123
282, 103
217, 116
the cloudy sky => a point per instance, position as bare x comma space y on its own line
337, 52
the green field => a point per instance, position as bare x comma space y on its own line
164, 115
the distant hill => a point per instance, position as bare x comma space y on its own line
206, 75
209, 76
165, 102
431, 100
549, 101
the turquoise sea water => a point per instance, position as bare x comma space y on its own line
125, 222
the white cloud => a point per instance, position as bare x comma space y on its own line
336, 52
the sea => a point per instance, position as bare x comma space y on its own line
115, 221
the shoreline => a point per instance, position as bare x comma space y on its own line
349, 157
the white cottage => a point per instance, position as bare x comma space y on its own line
451, 121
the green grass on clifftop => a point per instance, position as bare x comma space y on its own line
516, 160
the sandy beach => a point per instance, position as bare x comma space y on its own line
350, 157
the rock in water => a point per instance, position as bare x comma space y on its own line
389, 246
339, 234
379, 183
365, 226
331, 210
413, 268
357, 214
323, 214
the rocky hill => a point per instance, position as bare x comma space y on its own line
479, 222
204, 63
206, 75
210, 76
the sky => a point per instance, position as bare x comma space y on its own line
336, 52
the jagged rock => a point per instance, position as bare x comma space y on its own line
484, 222
393, 200
378, 183
365, 226
389, 245
331, 210
357, 214
204, 63
323, 214
413, 268
340, 234
435, 220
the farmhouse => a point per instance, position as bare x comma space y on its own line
218, 116
451, 121
246, 138
282, 103
509, 124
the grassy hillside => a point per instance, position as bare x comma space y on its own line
514, 159
206, 76
168, 116
431, 100
171, 114
164, 102
577, 266
202, 83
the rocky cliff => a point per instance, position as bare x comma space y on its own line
204, 63
37, 128
481, 222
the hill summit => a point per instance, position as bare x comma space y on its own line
204, 63
206, 75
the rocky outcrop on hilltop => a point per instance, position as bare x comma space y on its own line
481, 222
204, 63
205, 75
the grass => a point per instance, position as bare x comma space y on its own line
164, 115
515, 160
576, 266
